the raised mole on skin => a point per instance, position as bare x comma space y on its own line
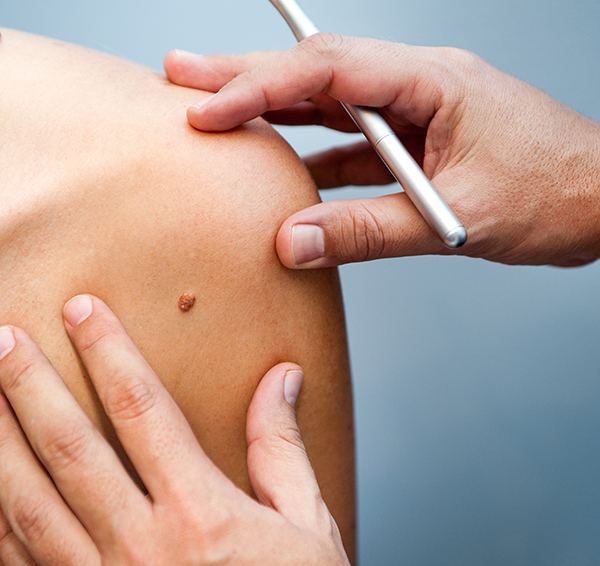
186, 302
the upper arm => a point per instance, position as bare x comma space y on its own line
108, 191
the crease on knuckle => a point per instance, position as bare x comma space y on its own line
7, 535
366, 241
32, 516
327, 46
129, 398
265, 94
102, 333
7, 437
291, 436
250, 81
22, 372
324, 44
67, 444
271, 442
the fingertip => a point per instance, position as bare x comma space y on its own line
196, 111
273, 383
292, 382
283, 245
171, 64
78, 309
177, 55
176, 63
278, 467
301, 244
307, 243
171, 58
7, 341
281, 384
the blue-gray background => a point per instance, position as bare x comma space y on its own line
477, 385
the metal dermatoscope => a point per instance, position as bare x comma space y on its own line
385, 142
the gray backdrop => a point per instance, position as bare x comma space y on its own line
476, 385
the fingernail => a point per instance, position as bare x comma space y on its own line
183, 54
78, 309
202, 102
308, 243
7, 340
291, 385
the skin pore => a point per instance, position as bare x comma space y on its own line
108, 191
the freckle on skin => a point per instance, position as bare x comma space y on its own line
186, 302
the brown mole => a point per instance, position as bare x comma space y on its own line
186, 302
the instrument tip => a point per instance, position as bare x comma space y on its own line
455, 238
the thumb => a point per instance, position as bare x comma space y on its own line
346, 231
278, 466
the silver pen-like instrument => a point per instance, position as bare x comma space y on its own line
385, 142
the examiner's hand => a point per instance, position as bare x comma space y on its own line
520, 170
67, 500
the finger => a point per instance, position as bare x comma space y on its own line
343, 67
35, 521
83, 466
209, 72
356, 164
344, 231
212, 72
153, 431
12, 551
574, 262
320, 110
278, 466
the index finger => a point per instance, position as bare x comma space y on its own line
210, 72
153, 431
83, 467
352, 70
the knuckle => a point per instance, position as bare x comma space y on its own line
66, 444
325, 522
279, 442
129, 398
241, 63
365, 240
324, 44
211, 524
21, 371
458, 56
32, 516
212, 516
460, 63
237, 63
272, 442
97, 336
6, 533
225, 66
290, 435
134, 552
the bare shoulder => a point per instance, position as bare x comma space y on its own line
108, 191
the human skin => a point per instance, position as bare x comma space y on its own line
107, 191
192, 514
519, 169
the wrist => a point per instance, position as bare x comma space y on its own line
581, 166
